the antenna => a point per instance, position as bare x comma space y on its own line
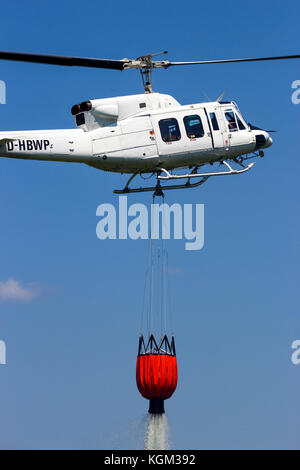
221, 96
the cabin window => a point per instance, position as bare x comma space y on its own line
193, 126
169, 130
80, 120
214, 121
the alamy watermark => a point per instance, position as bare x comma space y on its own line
296, 94
2, 92
295, 357
180, 222
2, 353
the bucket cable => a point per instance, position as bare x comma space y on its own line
156, 309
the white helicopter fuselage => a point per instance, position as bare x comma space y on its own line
141, 133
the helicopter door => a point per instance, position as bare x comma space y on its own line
238, 133
169, 137
217, 129
183, 133
197, 132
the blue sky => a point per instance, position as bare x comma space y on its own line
69, 381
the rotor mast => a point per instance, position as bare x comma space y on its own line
145, 65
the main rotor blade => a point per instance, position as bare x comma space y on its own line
64, 60
119, 64
224, 61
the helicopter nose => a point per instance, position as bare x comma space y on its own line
263, 139
269, 142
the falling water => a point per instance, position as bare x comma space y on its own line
157, 433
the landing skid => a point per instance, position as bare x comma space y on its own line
158, 189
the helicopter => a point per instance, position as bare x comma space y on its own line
149, 133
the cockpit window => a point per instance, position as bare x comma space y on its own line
230, 117
193, 126
234, 121
240, 124
169, 130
